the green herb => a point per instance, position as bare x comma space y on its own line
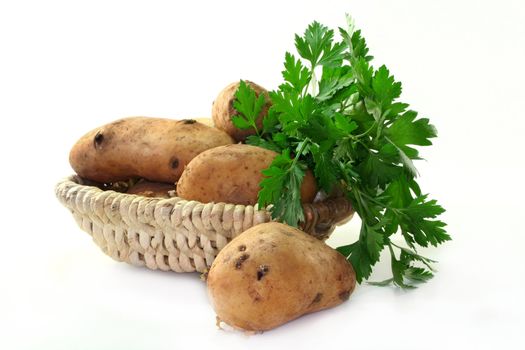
249, 105
348, 127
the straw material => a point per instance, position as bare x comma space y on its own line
175, 234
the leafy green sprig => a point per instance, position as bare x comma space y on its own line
348, 127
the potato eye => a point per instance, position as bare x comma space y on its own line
99, 137
261, 271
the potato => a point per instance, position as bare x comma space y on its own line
152, 148
206, 121
223, 110
273, 273
232, 174
152, 189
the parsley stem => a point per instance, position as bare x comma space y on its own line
256, 129
375, 201
312, 86
396, 211
367, 215
366, 132
391, 249
300, 151
380, 125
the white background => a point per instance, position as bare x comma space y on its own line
67, 67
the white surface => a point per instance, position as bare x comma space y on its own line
67, 67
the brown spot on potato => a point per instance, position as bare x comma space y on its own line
254, 294
317, 298
189, 121
262, 271
242, 248
241, 260
97, 140
174, 163
344, 295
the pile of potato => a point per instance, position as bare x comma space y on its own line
269, 274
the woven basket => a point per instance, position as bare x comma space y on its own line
175, 234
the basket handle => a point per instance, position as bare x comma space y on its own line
321, 217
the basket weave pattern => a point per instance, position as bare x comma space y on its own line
174, 234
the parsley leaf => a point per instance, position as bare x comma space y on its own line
405, 130
416, 221
249, 106
316, 46
295, 74
334, 79
386, 89
293, 109
378, 171
358, 256
281, 187
264, 143
325, 170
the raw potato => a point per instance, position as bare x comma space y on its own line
223, 110
152, 189
232, 174
273, 273
152, 148
206, 121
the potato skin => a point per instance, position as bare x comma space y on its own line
223, 110
206, 121
273, 273
232, 174
156, 149
151, 189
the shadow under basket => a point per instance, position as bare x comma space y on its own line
176, 234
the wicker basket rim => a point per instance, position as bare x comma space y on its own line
77, 180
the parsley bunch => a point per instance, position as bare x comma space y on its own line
337, 115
